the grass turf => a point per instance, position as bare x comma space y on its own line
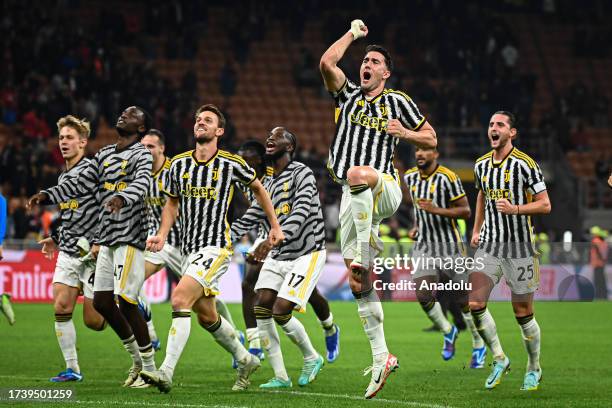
574, 355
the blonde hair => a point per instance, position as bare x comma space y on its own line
82, 126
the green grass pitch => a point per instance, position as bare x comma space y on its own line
575, 360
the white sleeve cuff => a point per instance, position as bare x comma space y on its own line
537, 188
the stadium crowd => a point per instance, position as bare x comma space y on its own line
76, 66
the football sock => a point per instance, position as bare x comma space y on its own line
271, 341
225, 335
252, 335
434, 312
132, 348
371, 313
362, 204
530, 331
477, 341
295, 330
328, 325
66, 337
224, 311
488, 331
177, 338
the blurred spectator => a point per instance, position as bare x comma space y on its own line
598, 259
189, 82
579, 140
602, 170
3, 219
510, 55
305, 71
34, 126
228, 79
332, 219
463, 64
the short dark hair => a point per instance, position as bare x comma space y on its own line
159, 134
255, 146
509, 115
148, 121
212, 108
292, 139
384, 52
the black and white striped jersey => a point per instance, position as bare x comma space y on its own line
361, 137
516, 178
79, 216
156, 200
250, 196
112, 172
246, 190
437, 235
248, 193
205, 191
295, 198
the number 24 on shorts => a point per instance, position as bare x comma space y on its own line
206, 264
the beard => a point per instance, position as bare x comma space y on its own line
367, 88
425, 165
202, 139
501, 142
275, 156
122, 132
370, 86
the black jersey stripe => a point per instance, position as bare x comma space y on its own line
361, 138
514, 179
205, 190
125, 173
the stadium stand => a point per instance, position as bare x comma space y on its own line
260, 65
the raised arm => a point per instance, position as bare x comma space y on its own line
276, 235
333, 77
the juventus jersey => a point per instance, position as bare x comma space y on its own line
112, 172
248, 193
250, 196
205, 191
295, 198
78, 215
436, 234
516, 178
156, 200
361, 137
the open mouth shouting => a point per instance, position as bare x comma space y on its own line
270, 146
